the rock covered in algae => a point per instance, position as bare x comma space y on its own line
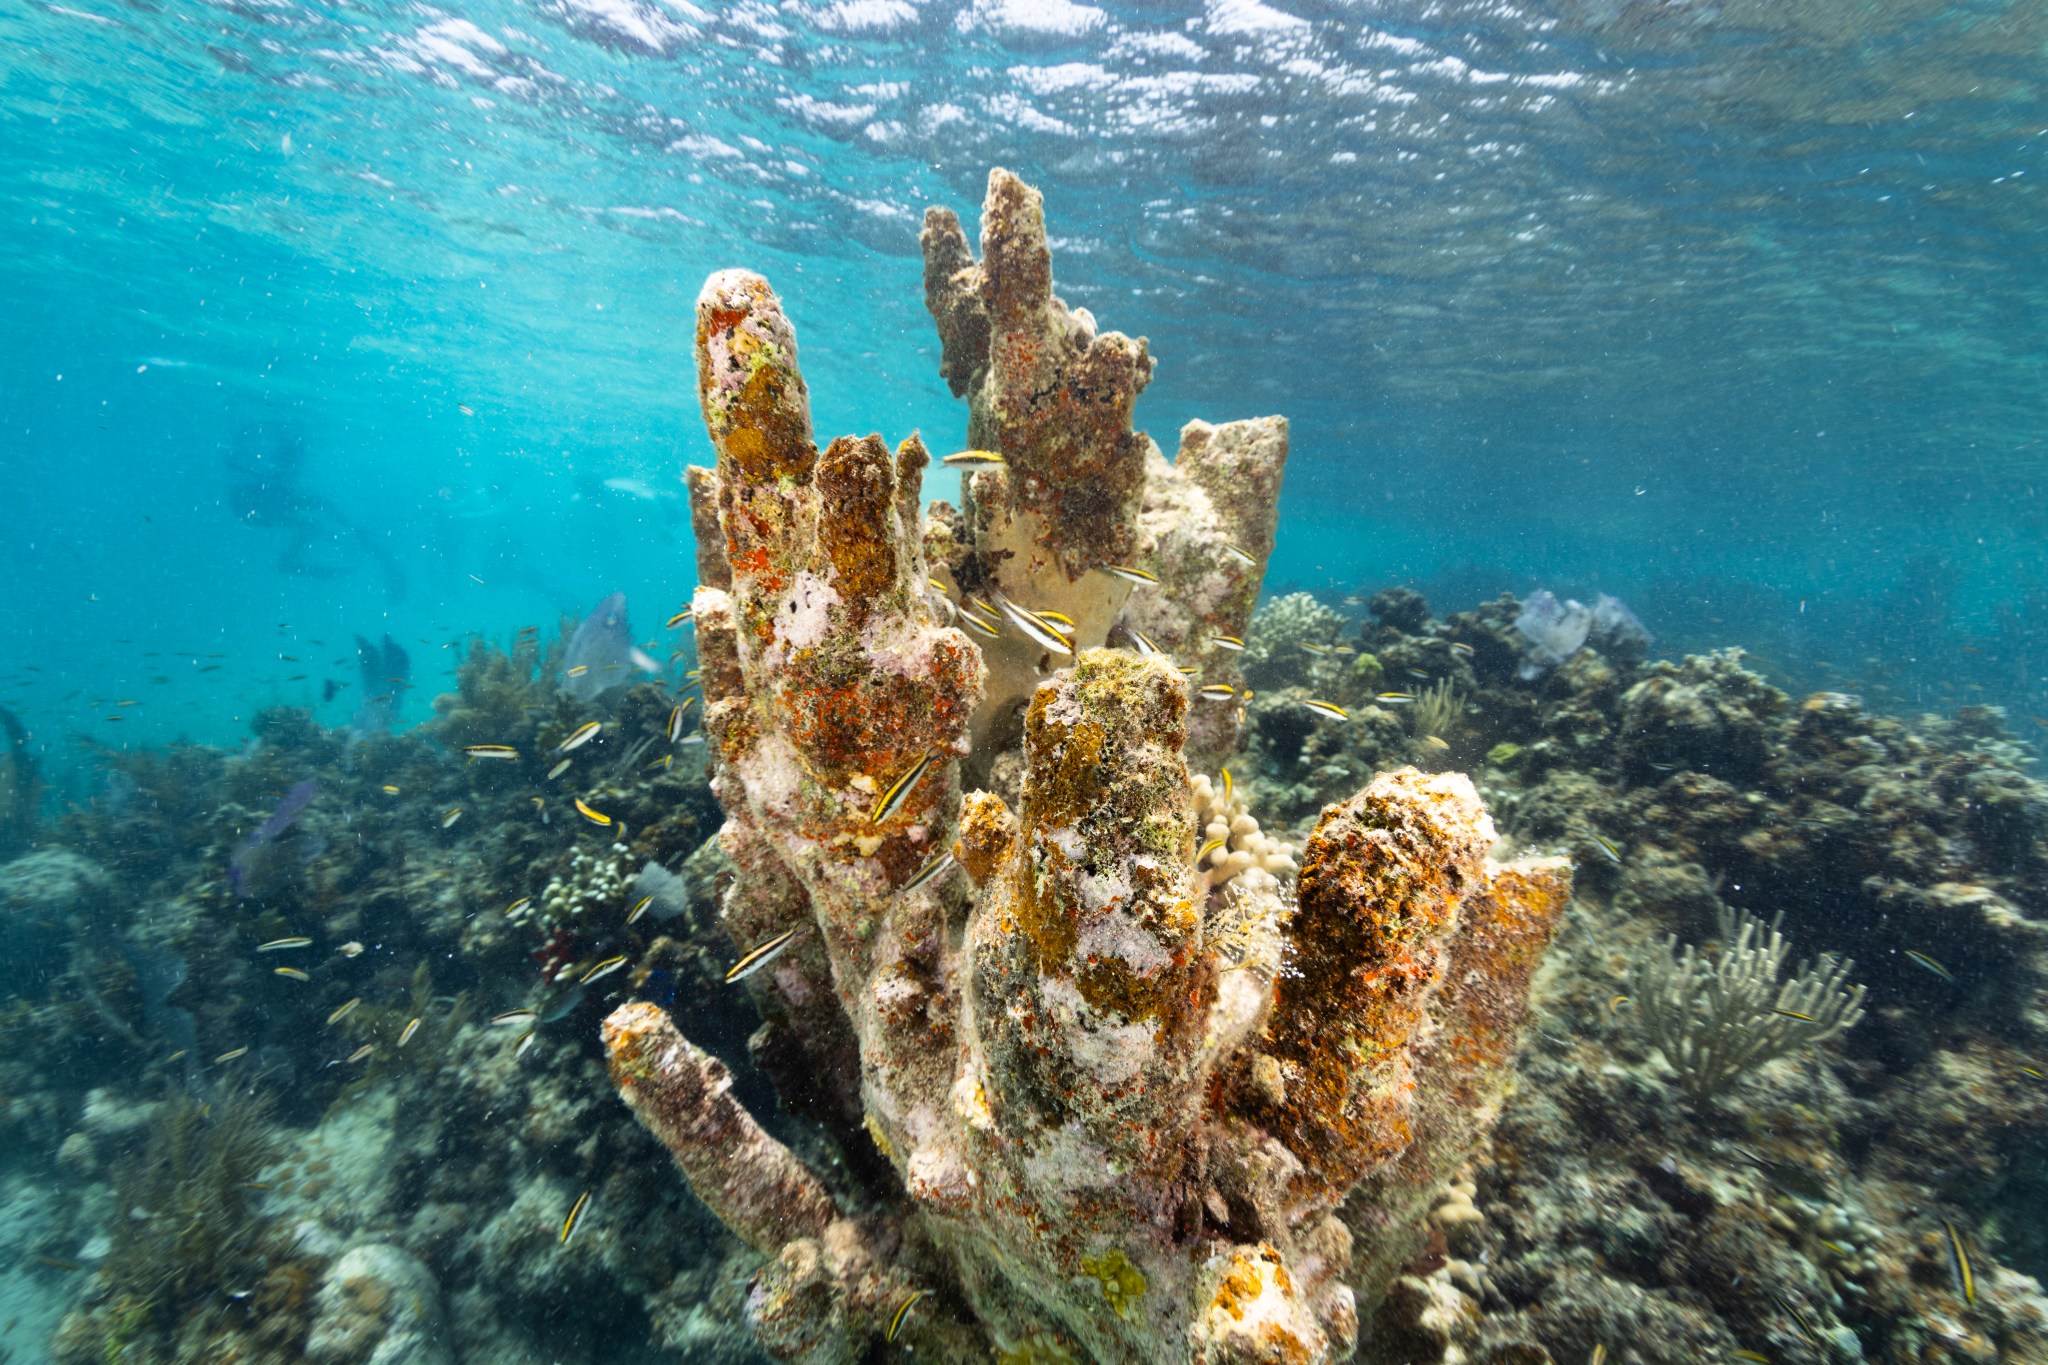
1120, 1105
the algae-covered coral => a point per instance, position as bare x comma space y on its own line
1110, 1134
1054, 960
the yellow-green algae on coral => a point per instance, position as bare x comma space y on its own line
1123, 1284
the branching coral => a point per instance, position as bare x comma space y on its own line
1122, 1102
1715, 1020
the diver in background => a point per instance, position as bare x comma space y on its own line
265, 469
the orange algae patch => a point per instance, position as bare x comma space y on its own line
1380, 885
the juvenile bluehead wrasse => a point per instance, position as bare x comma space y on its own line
1806, 1329
2030, 1071
293, 972
296, 941
1315, 648
467, 411
1753, 1356
365, 1050
1229, 642
1342, 651
1058, 618
1395, 698
519, 1049
175, 1056
661, 762
1129, 574
405, 1034
1931, 965
979, 626
453, 814
760, 956
1795, 1014
230, 1056
578, 671
1036, 628
974, 459
569, 1223
980, 604
388, 789
1959, 1264
1419, 674
1229, 787
1143, 644
580, 736
344, 1010
1459, 647
639, 909
927, 872
1327, 709
1436, 742
691, 739
1216, 692
899, 791
490, 751
1599, 1356
675, 722
902, 1312
1202, 853
694, 674
604, 968
1607, 847
1616, 1003
540, 808
1186, 670
1240, 554
937, 586
595, 817
559, 769
678, 619
511, 1018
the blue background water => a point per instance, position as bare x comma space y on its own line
1734, 310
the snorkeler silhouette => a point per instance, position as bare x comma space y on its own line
265, 469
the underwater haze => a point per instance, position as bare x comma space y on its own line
1666, 448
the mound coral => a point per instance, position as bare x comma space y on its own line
1119, 1124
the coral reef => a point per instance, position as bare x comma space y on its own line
1122, 1103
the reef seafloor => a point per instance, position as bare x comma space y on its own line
1004, 943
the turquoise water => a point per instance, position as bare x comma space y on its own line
359, 319
1732, 310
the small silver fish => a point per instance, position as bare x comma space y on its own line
512, 1018
405, 1034
1327, 709
569, 1223
1216, 692
1240, 554
580, 736
296, 941
760, 955
559, 769
927, 872
602, 969
344, 1011
499, 751
1229, 642
1036, 628
639, 909
293, 972
453, 814
1129, 574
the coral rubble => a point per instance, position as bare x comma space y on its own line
1122, 1079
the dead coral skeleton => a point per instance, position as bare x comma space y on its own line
1717, 1018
